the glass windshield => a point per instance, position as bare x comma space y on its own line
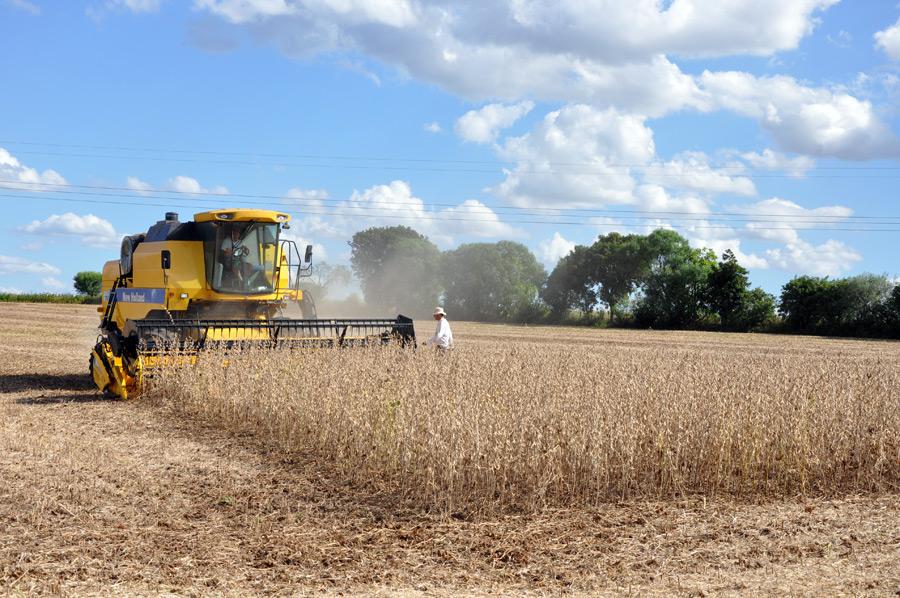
244, 257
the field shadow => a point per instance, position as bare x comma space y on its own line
70, 398
38, 382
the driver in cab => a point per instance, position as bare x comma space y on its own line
234, 251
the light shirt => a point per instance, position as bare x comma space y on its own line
235, 247
230, 243
442, 338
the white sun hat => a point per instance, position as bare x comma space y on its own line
439, 311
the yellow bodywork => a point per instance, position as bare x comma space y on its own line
185, 281
184, 286
173, 290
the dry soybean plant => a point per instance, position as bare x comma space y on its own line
524, 426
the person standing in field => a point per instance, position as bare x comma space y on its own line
443, 337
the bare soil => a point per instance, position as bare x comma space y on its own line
101, 497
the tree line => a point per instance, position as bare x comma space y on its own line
648, 281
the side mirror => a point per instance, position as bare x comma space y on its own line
165, 259
308, 257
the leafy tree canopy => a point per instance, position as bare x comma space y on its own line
618, 264
491, 281
728, 295
673, 292
855, 305
570, 285
88, 283
398, 269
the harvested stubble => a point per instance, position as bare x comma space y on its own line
499, 427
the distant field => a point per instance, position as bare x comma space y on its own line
533, 459
47, 298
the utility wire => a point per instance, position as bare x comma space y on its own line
359, 158
316, 203
405, 168
438, 217
373, 207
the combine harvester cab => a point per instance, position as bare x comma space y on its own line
226, 279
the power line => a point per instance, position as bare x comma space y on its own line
321, 203
438, 217
405, 168
372, 207
360, 158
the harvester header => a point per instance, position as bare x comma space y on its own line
228, 277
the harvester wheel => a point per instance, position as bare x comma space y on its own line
109, 373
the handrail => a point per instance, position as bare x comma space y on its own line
296, 271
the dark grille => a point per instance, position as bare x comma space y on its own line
161, 334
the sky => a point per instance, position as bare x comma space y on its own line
770, 127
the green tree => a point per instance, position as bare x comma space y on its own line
726, 290
618, 264
88, 283
570, 284
757, 309
398, 269
673, 290
491, 281
842, 306
848, 300
803, 302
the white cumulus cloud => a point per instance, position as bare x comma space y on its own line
811, 121
604, 53
395, 203
691, 170
796, 166
475, 219
550, 251
831, 258
136, 184
587, 29
576, 157
89, 230
15, 175
310, 203
320, 254
186, 184
16, 265
780, 219
391, 205
889, 40
483, 125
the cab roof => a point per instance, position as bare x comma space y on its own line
242, 215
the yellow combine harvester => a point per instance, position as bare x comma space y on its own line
225, 279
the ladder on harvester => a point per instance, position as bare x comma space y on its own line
111, 303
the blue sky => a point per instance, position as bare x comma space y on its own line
766, 126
